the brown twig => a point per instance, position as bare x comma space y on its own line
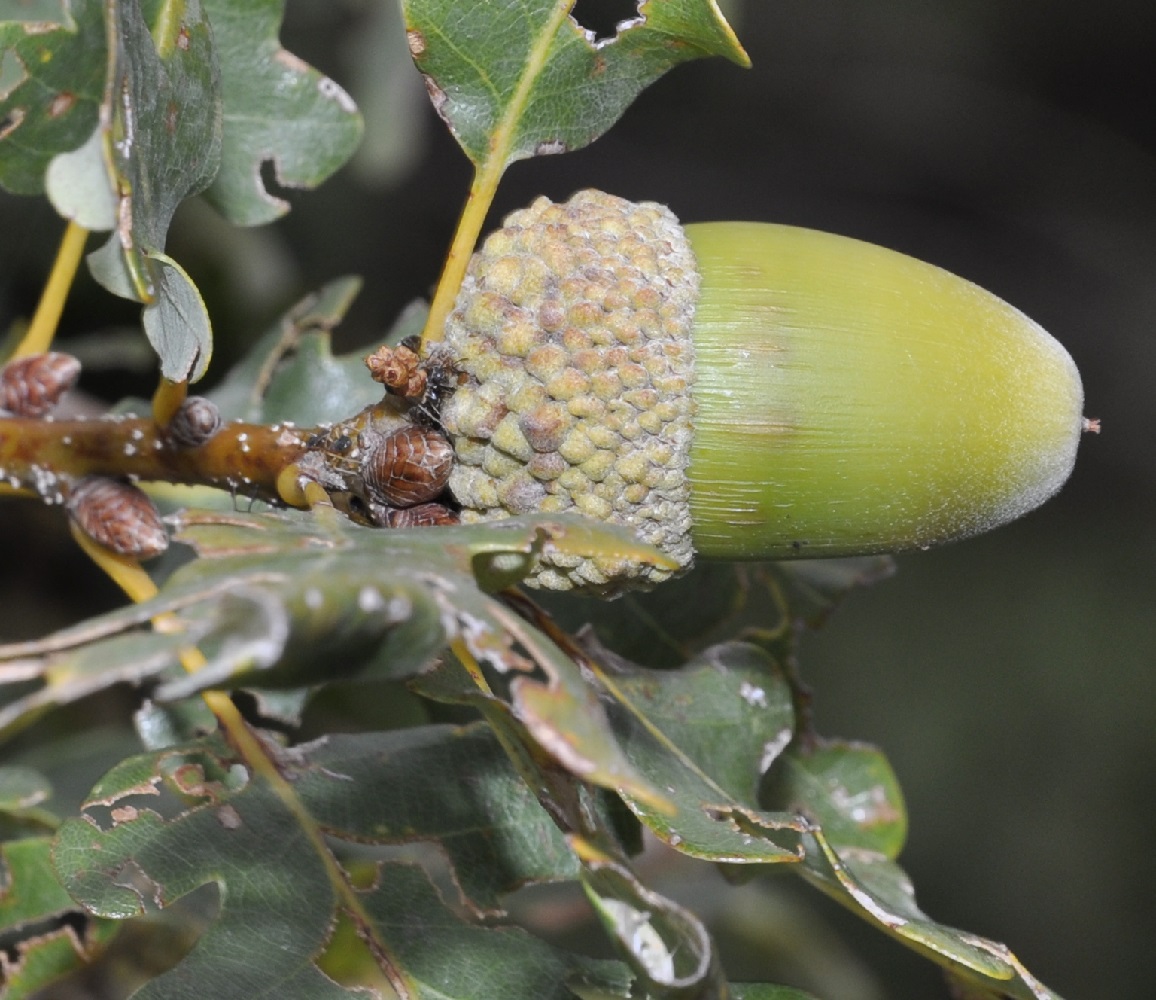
48, 457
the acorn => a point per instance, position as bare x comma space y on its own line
743, 391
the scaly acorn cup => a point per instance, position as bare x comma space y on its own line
743, 391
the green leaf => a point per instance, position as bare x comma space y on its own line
160, 825
269, 362
524, 79
445, 958
453, 787
384, 603
848, 789
313, 387
277, 110
291, 375
29, 891
294, 599
717, 601
77, 673
164, 136
22, 789
51, 83
157, 143
705, 734
40, 948
181, 105
161, 139
879, 891
766, 991
24, 792
539, 746
665, 944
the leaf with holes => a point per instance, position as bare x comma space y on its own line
272, 839
706, 734
295, 599
51, 85
277, 110
524, 79
43, 941
159, 143
848, 789
454, 788
181, 105
879, 891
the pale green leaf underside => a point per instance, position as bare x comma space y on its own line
177, 323
522, 78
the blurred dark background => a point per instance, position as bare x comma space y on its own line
1011, 679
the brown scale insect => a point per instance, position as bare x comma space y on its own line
197, 420
411, 466
424, 515
33, 385
118, 515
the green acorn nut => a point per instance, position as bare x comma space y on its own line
743, 391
